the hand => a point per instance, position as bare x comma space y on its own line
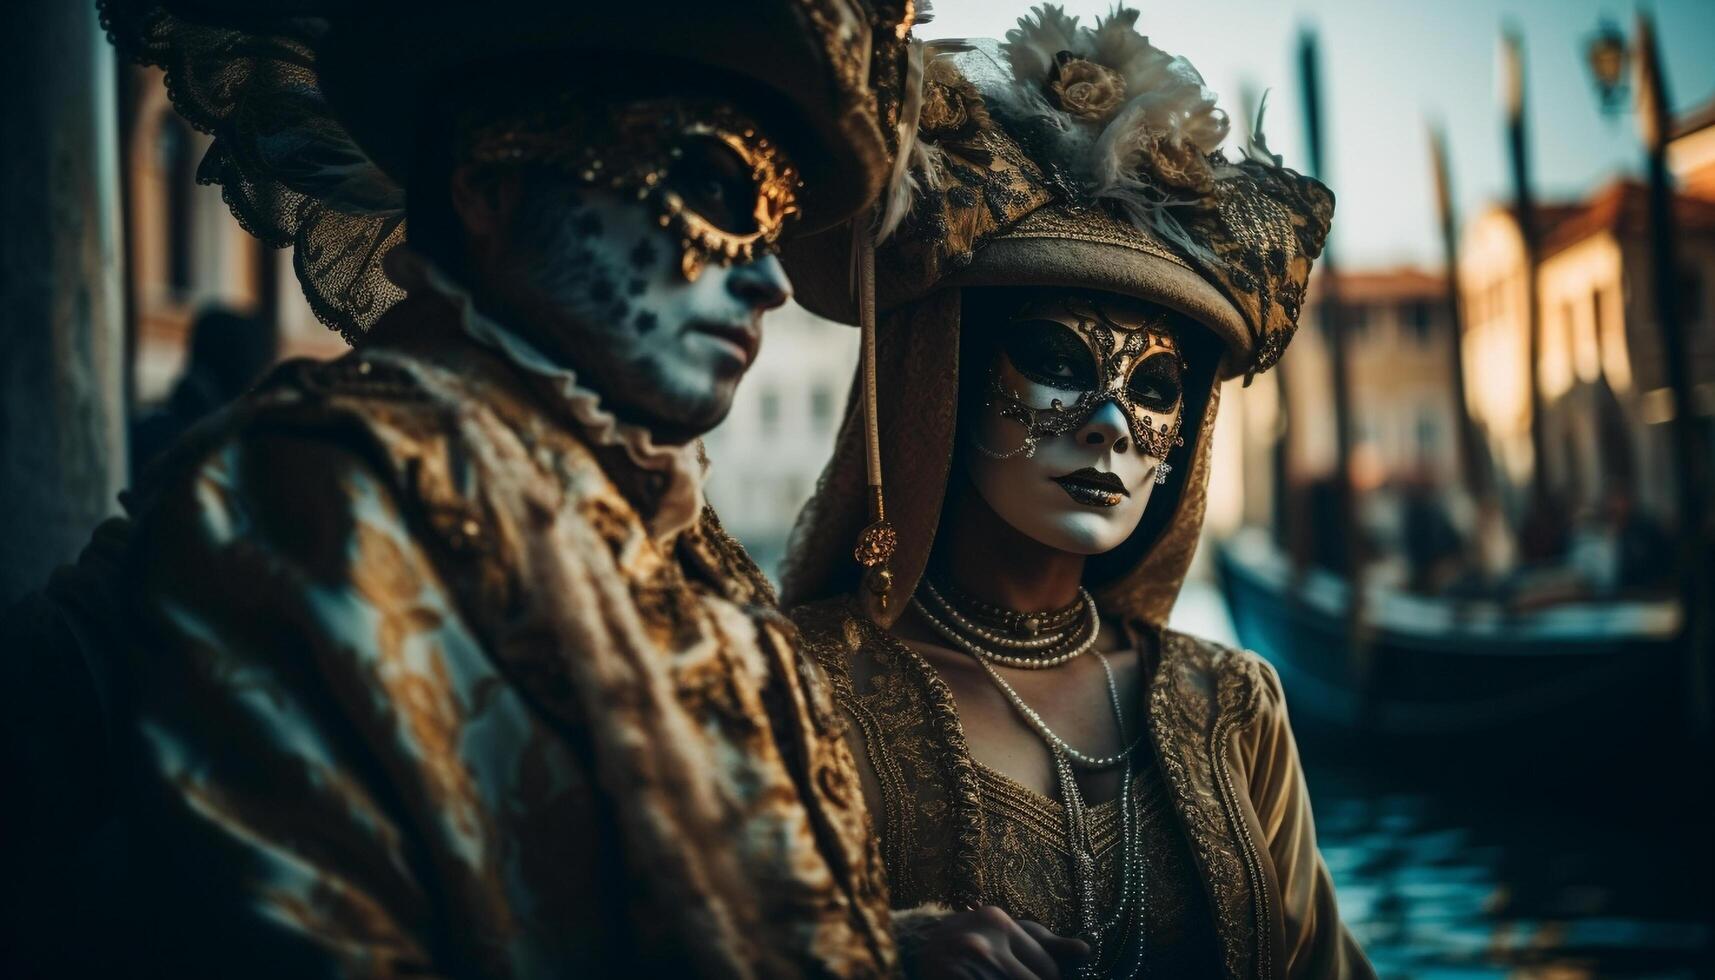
987, 943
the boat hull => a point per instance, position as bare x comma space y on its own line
1429, 673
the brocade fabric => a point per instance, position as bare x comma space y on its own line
1235, 886
423, 695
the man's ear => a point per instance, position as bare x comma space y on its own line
484, 200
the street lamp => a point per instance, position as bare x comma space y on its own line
1606, 53
1691, 433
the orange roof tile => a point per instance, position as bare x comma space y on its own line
1384, 285
1622, 208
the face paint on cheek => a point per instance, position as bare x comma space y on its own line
672, 381
628, 322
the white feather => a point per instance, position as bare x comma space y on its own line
902, 187
1040, 35
916, 162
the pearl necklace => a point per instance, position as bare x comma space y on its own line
1092, 628
1133, 867
1030, 715
1012, 628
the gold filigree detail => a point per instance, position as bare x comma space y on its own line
956, 832
632, 150
876, 544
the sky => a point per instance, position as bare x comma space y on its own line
1391, 67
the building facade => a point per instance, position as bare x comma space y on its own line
765, 458
185, 250
1601, 371
1401, 351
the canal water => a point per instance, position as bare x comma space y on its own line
1589, 874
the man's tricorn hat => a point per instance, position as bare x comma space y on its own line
316, 106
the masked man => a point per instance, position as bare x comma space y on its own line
444, 667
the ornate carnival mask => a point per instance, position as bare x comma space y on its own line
724, 189
1076, 357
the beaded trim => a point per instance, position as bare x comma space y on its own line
1024, 624
1044, 651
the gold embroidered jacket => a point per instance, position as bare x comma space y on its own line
1224, 780
426, 690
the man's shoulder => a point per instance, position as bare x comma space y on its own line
306, 395
372, 389
308, 431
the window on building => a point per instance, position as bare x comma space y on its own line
1691, 306
1428, 434
1363, 430
821, 407
1351, 317
770, 410
1419, 317
176, 158
1357, 317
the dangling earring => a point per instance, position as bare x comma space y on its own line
1161, 470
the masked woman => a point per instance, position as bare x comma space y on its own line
1069, 270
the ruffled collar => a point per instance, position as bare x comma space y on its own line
681, 500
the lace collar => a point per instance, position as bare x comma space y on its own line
681, 501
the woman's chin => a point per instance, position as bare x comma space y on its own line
1079, 533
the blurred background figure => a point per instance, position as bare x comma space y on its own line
227, 353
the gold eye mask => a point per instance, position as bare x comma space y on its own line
644, 149
1140, 370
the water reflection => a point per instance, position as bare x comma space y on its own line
1446, 869
1443, 880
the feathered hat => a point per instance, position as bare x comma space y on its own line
315, 106
1065, 155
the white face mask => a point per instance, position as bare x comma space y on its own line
659, 347
653, 286
1084, 402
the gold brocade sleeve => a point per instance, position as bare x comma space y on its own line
308, 690
1317, 942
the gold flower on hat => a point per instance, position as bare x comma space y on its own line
1175, 163
1084, 89
1154, 122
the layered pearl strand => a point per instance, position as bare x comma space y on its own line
964, 633
986, 659
946, 612
1008, 628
